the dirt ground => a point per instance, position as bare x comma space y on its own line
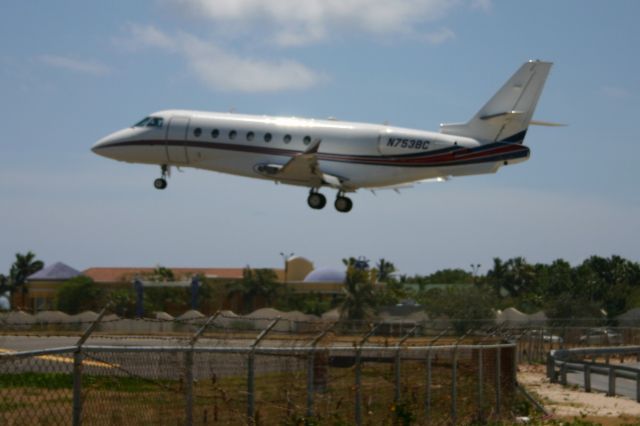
569, 403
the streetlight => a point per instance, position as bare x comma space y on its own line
474, 271
285, 258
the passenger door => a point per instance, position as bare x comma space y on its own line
176, 141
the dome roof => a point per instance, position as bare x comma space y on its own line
328, 275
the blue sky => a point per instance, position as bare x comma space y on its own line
73, 71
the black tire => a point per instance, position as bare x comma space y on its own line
160, 183
316, 200
343, 204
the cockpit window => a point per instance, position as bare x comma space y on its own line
150, 122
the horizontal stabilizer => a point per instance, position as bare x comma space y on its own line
546, 123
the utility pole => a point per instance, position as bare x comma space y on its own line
285, 258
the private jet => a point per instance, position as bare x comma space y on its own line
343, 156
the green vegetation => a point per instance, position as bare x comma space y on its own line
23, 266
599, 287
80, 294
65, 381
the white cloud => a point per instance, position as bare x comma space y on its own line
222, 70
295, 22
74, 64
438, 37
149, 36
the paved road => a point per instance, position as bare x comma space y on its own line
600, 382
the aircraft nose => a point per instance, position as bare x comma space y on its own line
100, 145
109, 143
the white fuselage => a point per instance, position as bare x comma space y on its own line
361, 155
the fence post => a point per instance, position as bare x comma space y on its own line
480, 382
188, 386
454, 388
358, 401
563, 373
638, 386
77, 368
251, 408
587, 377
397, 364
188, 370
612, 381
77, 387
498, 382
311, 366
427, 394
551, 368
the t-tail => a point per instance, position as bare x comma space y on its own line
506, 117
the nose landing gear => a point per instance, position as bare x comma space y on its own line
161, 182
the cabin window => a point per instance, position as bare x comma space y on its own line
215, 133
197, 132
267, 137
287, 138
307, 140
250, 136
232, 134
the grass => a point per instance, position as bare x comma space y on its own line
52, 381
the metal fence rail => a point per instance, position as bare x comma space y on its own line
213, 379
586, 361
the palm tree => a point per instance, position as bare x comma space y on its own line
385, 269
24, 266
359, 301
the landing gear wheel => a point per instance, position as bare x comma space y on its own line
160, 183
343, 204
316, 200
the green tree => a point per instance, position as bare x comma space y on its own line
467, 307
256, 284
24, 266
451, 276
566, 306
4, 284
359, 298
80, 294
162, 274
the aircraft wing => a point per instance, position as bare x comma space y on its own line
408, 185
302, 169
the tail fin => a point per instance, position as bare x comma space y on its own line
506, 117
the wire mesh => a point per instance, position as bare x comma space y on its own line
198, 370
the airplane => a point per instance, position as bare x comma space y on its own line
344, 156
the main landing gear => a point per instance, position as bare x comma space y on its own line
317, 201
161, 182
343, 204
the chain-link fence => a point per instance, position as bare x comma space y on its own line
219, 371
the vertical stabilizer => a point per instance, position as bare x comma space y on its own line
506, 117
